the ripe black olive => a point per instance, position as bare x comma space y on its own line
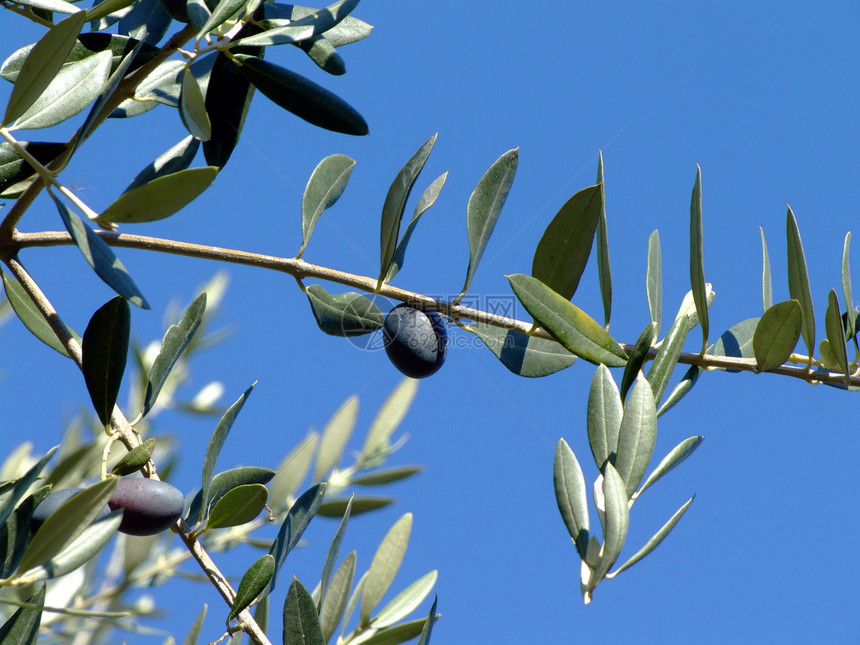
149, 506
415, 340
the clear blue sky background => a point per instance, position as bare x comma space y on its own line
763, 96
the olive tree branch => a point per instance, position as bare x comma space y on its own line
300, 269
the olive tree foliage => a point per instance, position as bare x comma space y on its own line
205, 59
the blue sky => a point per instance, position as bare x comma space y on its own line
763, 96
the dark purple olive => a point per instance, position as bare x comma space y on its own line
52, 502
149, 506
415, 340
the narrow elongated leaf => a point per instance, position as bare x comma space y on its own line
178, 158
617, 516
394, 635
387, 476
335, 436
667, 357
697, 264
766, 279
219, 436
680, 390
292, 471
22, 485
637, 357
15, 532
654, 280
850, 327
134, 459
58, 6
604, 416
678, 454
292, 528
223, 11
32, 318
604, 273
159, 198
776, 334
175, 340
303, 97
192, 108
301, 624
427, 199
572, 327
22, 627
304, 27
835, 331
42, 65
798, 282
13, 168
332, 555
347, 30
100, 256
386, 421
70, 520
522, 354
688, 306
344, 314
323, 54
385, 565
228, 97
636, 436
737, 341
238, 506
104, 352
655, 541
406, 601
485, 206
324, 188
336, 596
570, 495
427, 630
253, 582
395, 203
74, 87
563, 250
359, 505
193, 634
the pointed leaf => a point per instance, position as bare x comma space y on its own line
524, 355
485, 206
667, 357
571, 326
22, 627
777, 333
334, 600
331, 557
302, 97
386, 421
385, 565
654, 280
617, 515
380, 477
13, 168
134, 459
226, 481
173, 344
100, 256
680, 390
253, 582
238, 506
766, 280
395, 203
335, 436
427, 199
219, 436
798, 282
850, 327
292, 528
637, 436
42, 65
604, 273
194, 633
737, 341
604, 416
22, 485
344, 314
223, 11
159, 198
563, 250
66, 523
678, 454
324, 188
323, 54
364, 504
406, 601
697, 266
32, 318
192, 108
104, 352
570, 495
228, 97
301, 624
637, 357
178, 158
835, 331
305, 26
654, 542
